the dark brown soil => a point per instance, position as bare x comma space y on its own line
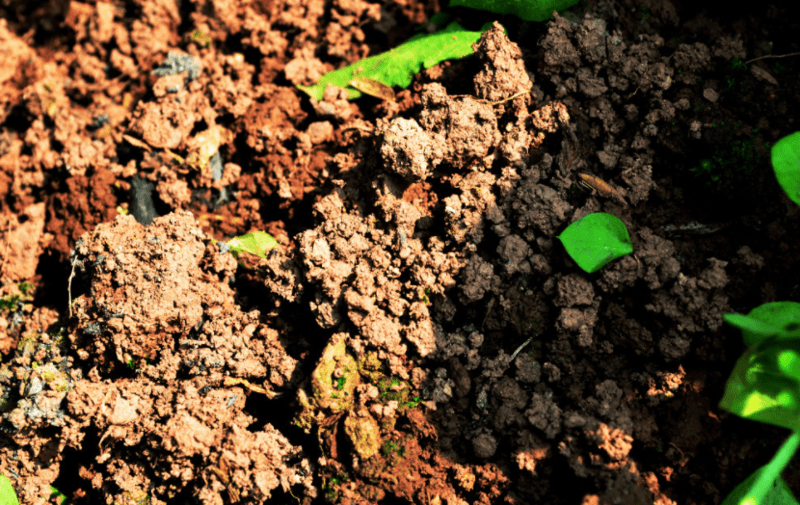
419, 335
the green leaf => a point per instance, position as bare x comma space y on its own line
7, 494
529, 10
753, 330
257, 243
398, 66
766, 486
60, 497
778, 319
765, 384
786, 163
596, 240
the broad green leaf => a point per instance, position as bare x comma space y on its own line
778, 493
753, 330
765, 384
779, 319
7, 494
786, 163
398, 66
596, 240
257, 243
766, 486
529, 10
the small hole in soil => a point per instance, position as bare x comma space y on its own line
199, 127
69, 480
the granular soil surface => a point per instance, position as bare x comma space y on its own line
419, 335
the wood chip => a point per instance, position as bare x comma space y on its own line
763, 75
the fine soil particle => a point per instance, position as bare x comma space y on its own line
418, 334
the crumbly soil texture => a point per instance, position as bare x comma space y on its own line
419, 334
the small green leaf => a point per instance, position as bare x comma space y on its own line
529, 10
257, 243
398, 66
778, 319
60, 497
786, 163
766, 486
7, 494
596, 240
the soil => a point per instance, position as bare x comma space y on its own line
419, 334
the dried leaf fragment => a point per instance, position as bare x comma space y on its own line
602, 187
372, 87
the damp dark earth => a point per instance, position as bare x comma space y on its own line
416, 332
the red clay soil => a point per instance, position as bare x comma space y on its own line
419, 335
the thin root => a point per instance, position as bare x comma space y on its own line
520, 348
69, 287
771, 56
8, 246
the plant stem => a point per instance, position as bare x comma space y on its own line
771, 471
